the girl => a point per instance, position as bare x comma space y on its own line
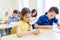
34, 17
23, 27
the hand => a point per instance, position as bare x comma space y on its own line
59, 27
51, 27
36, 32
19, 35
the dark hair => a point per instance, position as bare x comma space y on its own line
24, 11
34, 10
55, 9
15, 11
19, 12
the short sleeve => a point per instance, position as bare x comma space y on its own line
55, 20
39, 21
24, 27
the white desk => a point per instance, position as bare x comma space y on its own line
12, 24
46, 34
3, 26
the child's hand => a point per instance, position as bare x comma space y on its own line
59, 27
19, 35
36, 32
51, 27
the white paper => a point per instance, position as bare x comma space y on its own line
56, 29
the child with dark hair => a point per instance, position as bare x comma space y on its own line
34, 17
34, 13
13, 18
46, 21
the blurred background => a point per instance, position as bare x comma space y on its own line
41, 5
7, 7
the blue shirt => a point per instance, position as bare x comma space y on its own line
43, 20
13, 19
18, 17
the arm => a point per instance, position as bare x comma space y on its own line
56, 21
58, 24
43, 26
39, 24
24, 33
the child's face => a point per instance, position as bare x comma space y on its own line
34, 13
18, 14
27, 17
14, 14
51, 15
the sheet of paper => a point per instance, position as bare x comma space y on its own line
56, 29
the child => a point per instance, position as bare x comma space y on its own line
5, 18
46, 21
13, 18
34, 17
23, 27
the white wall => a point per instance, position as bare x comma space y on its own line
5, 5
33, 4
50, 3
22, 3
40, 7
15, 4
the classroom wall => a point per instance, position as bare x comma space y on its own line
6, 5
15, 4
50, 3
10, 5
33, 4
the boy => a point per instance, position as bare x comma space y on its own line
13, 18
46, 21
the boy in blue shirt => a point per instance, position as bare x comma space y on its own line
46, 21
13, 18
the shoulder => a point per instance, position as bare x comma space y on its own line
42, 17
10, 16
22, 23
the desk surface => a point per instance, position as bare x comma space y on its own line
5, 26
8, 25
46, 34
